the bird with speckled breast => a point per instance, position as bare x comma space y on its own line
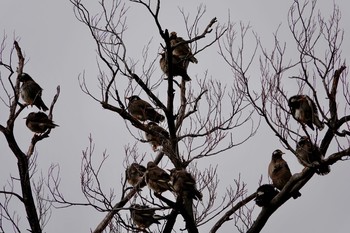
158, 137
134, 175
157, 179
304, 110
279, 172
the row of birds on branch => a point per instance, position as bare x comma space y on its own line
179, 181
304, 110
30, 92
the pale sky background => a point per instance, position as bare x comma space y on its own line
58, 48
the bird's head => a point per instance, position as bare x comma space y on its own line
30, 116
151, 164
294, 100
132, 98
173, 35
277, 154
24, 77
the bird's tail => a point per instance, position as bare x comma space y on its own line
319, 124
323, 169
296, 194
40, 104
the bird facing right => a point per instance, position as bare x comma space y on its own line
279, 172
39, 122
31, 92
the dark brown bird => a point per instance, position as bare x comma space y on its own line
31, 92
183, 51
279, 172
143, 216
157, 179
134, 175
264, 194
158, 137
309, 155
142, 110
179, 67
39, 122
184, 184
304, 111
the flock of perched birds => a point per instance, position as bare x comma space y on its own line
179, 181
304, 111
37, 122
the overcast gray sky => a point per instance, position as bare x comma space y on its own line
58, 48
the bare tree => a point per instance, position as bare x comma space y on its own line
318, 71
197, 122
200, 118
21, 189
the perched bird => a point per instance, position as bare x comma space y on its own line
157, 179
142, 110
184, 184
309, 155
39, 122
143, 216
158, 137
264, 194
179, 67
31, 92
182, 51
304, 110
279, 172
134, 175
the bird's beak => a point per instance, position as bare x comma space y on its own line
127, 98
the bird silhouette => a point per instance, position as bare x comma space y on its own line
31, 92
179, 66
184, 184
39, 122
309, 155
304, 111
143, 216
158, 137
134, 175
279, 172
157, 179
181, 49
142, 110
264, 194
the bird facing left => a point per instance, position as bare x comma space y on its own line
31, 92
39, 122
